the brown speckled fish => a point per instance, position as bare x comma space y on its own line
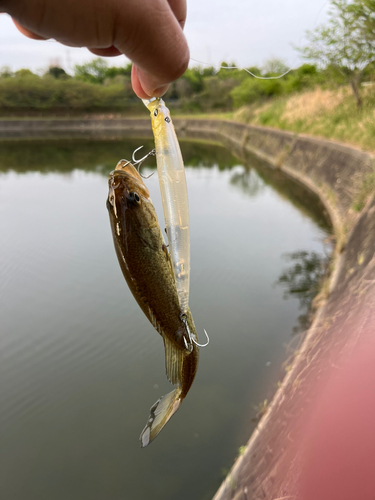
147, 268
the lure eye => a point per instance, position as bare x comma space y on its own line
156, 112
133, 196
167, 119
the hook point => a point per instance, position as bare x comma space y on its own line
139, 162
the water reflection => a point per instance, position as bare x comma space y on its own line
80, 360
100, 156
248, 181
290, 189
303, 280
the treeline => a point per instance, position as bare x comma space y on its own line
206, 90
93, 87
98, 87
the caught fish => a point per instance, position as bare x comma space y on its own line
171, 173
147, 268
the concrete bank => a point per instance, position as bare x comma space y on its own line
343, 178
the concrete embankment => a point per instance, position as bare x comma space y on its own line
272, 465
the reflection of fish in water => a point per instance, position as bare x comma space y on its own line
147, 268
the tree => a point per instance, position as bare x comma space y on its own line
343, 43
364, 13
97, 71
303, 281
25, 73
57, 72
114, 71
93, 72
274, 67
6, 72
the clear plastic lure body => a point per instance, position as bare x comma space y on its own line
172, 180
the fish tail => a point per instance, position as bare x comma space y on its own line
160, 413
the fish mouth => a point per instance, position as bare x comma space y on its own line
123, 185
121, 191
126, 178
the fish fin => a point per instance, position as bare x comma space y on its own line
169, 260
174, 358
160, 413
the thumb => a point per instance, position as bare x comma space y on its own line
155, 43
144, 86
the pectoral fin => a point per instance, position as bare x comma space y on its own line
169, 260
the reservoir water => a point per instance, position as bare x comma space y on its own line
80, 365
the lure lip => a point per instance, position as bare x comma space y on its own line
147, 102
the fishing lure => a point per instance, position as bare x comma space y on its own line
172, 181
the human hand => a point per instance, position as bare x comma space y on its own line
149, 32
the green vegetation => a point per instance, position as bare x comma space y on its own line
94, 87
97, 86
345, 43
323, 112
64, 155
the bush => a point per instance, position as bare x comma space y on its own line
27, 90
217, 93
252, 89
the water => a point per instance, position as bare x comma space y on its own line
80, 365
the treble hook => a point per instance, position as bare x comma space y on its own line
192, 340
126, 162
139, 162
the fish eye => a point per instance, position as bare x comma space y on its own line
156, 112
167, 119
134, 196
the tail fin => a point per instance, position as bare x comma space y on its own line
160, 413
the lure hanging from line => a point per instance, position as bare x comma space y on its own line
172, 181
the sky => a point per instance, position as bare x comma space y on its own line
247, 32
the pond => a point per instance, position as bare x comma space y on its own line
80, 365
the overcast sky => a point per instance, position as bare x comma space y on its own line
247, 32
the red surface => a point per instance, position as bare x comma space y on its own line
338, 457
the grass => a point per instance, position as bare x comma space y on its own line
331, 114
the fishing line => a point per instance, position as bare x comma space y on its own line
247, 71
264, 77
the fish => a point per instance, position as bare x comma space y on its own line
146, 265
174, 195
